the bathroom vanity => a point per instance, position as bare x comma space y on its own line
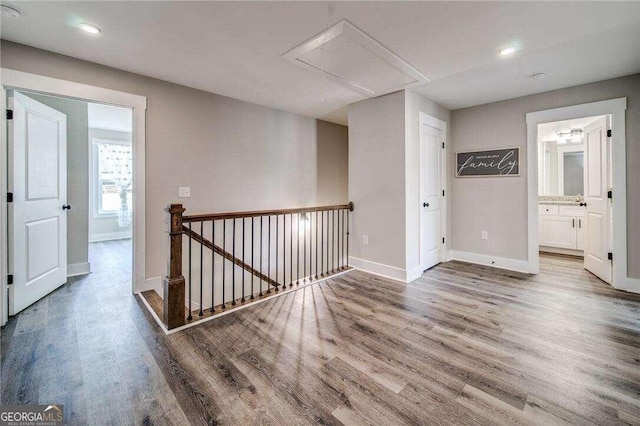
561, 226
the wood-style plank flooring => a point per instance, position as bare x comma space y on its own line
463, 344
84, 346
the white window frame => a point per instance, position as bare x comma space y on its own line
94, 168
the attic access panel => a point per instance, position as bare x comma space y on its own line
350, 56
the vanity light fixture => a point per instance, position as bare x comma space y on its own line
573, 136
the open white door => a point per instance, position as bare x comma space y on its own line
430, 220
37, 178
596, 187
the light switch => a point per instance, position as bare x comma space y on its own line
184, 192
484, 235
365, 240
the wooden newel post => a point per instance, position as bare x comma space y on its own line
173, 314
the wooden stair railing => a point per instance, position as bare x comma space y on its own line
238, 262
313, 239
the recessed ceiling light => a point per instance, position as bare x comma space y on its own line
507, 50
90, 28
537, 75
9, 12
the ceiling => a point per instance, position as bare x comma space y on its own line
235, 48
548, 132
109, 117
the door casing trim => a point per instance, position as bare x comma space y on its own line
431, 121
33, 83
616, 108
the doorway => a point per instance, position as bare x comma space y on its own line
574, 183
69, 171
38, 85
615, 109
432, 192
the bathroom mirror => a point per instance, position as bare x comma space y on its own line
560, 169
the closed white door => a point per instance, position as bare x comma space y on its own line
431, 190
38, 182
596, 186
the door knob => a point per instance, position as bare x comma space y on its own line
66, 207
583, 204
425, 204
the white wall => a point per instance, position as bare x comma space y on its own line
104, 228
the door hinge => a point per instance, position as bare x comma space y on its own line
9, 197
442, 145
10, 279
9, 114
610, 256
609, 132
609, 194
443, 192
442, 240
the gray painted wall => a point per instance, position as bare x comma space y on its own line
502, 124
233, 154
377, 179
333, 163
384, 176
77, 175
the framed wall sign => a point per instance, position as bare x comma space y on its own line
494, 162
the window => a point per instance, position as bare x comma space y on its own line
112, 175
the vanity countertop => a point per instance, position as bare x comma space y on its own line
560, 200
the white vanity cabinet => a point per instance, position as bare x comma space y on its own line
561, 226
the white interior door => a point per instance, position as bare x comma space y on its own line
596, 186
431, 198
37, 178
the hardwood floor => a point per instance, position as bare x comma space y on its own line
80, 347
463, 344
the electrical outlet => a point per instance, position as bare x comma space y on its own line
184, 192
365, 240
484, 235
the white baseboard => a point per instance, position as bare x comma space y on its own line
493, 261
386, 271
154, 283
76, 269
630, 284
96, 238
414, 273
